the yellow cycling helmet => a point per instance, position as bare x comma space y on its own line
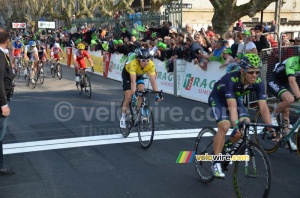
81, 46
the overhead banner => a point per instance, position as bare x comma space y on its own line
46, 24
19, 25
197, 83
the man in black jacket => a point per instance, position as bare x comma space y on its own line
6, 89
261, 41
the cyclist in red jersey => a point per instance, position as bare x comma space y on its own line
79, 61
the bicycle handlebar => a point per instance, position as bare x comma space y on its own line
145, 92
244, 124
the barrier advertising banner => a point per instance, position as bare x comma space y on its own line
116, 65
164, 79
197, 83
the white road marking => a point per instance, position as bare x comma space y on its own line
45, 145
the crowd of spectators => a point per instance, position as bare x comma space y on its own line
165, 42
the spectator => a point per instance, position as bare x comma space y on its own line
261, 41
266, 27
297, 41
164, 30
133, 44
193, 46
250, 46
283, 37
229, 38
6, 89
228, 58
125, 33
190, 30
210, 32
271, 40
216, 54
286, 50
199, 60
273, 26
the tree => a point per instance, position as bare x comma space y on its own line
35, 9
156, 4
226, 12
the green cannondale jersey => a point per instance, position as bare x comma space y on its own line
292, 66
289, 67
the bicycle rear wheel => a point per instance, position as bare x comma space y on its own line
128, 120
59, 71
298, 141
19, 69
146, 128
253, 180
53, 72
27, 80
87, 86
34, 74
263, 137
204, 144
42, 75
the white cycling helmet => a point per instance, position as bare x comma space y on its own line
56, 45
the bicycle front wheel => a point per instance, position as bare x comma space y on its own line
263, 137
146, 128
59, 71
87, 86
252, 178
128, 120
205, 144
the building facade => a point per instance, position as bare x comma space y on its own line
200, 12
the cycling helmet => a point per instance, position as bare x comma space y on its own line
81, 46
251, 61
32, 44
56, 45
143, 54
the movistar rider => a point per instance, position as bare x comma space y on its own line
228, 109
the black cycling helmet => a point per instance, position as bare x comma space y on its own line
143, 53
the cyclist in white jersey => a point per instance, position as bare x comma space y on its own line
31, 53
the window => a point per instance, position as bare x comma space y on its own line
283, 20
254, 20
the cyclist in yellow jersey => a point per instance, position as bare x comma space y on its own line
133, 79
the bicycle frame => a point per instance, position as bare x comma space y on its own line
245, 140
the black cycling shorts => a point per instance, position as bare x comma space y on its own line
126, 82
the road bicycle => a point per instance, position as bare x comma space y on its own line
250, 178
29, 72
265, 138
84, 83
56, 69
141, 118
39, 74
19, 65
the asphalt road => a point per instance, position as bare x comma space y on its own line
98, 162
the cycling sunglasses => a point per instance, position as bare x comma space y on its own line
252, 72
145, 60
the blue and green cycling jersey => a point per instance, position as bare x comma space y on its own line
230, 86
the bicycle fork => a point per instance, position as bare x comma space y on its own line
250, 153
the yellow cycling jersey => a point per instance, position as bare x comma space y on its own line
134, 68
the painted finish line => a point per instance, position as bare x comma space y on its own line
45, 145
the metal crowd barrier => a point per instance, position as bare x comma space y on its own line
270, 57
